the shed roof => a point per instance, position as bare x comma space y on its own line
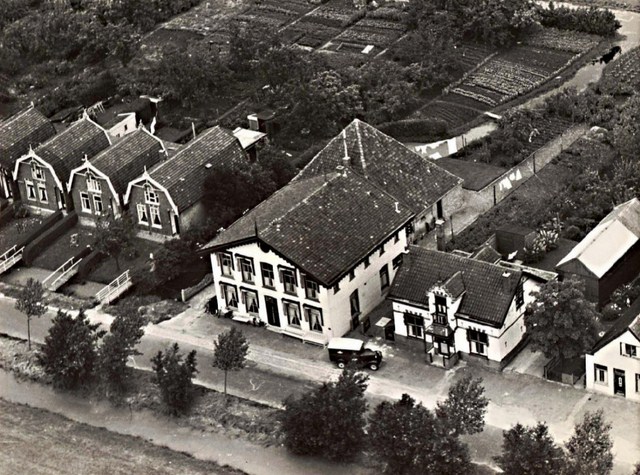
67, 150
411, 179
324, 225
184, 174
488, 288
609, 240
28, 128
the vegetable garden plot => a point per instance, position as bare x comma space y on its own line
465, 101
563, 40
380, 33
622, 76
470, 55
453, 114
541, 60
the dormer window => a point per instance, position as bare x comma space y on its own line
36, 171
441, 310
150, 195
93, 185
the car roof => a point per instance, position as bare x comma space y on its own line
350, 344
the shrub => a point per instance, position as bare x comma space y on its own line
174, 375
588, 20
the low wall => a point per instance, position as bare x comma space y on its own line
48, 237
189, 292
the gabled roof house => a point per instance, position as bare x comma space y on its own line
431, 192
27, 128
609, 255
314, 258
98, 185
43, 172
613, 365
455, 306
166, 199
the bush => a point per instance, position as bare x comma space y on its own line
588, 20
174, 378
69, 352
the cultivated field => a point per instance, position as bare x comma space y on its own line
41, 443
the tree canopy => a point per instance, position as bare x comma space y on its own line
69, 353
328, 421
465, 407
31, 302
230, 352
589, 448
529, 451
115, 236
173, 375
561, 322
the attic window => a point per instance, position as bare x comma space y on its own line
36, 171
93, 185
150, 196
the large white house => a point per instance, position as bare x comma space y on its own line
613, 365
456, 306
314, 258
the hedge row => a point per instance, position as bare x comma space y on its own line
44, 226
419, 130
36, 246
89, 263
7, 214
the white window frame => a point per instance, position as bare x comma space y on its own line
268, 275
37, 172
232, 292
478, 347
98, 205
93, 185
31, 190
85, 202
253, 307
314, 316
295, 315
42, 193
246, 269
228, 265
311, 289
601, 375
150, 195
154, 210
628, 350
289, 281
143, 216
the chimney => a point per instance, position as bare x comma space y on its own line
441, 242
505, 281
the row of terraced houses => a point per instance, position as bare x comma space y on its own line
347, 234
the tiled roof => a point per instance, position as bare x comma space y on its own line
609, 240
629, 320
487, 254
184, 174
413, 180
67, 150
489, 288
324, 224
454, 285
17, 133
128, 158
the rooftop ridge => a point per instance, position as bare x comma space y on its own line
17, 115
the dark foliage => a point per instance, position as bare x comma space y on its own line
69, 353
588, 20
31, 302
328, 421
173, 375
230, 352
464, 409
529, 451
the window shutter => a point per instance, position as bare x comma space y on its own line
232, 263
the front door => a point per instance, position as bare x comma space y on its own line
355, 309
618, 382
273, 318
390, 331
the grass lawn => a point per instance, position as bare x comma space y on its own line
16, 229
38, 441
61, 249
107, 270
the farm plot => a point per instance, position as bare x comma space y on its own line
623, 75
380, 33
325, 22
571, 41
450, 112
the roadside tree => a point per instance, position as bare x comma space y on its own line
328, 421
589, 448
406, 438
230, 352
117, 346
529, 451
31, 303
561, 322
174, 374
115, 236
69, 353
464, 409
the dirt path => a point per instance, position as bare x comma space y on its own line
36, 441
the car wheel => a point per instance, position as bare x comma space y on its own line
341, 364
373, 366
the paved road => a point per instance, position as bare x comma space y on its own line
273, 374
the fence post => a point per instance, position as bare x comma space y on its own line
182, 295
534, 163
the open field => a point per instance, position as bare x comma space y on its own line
39, 442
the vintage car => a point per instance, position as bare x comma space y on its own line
343, 351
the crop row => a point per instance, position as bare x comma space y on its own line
622, 76
476, 96
368, 37
564, 40
381, 24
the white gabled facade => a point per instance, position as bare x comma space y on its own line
468, 335
614, 369
256, 282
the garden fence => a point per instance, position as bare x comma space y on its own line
189, 292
